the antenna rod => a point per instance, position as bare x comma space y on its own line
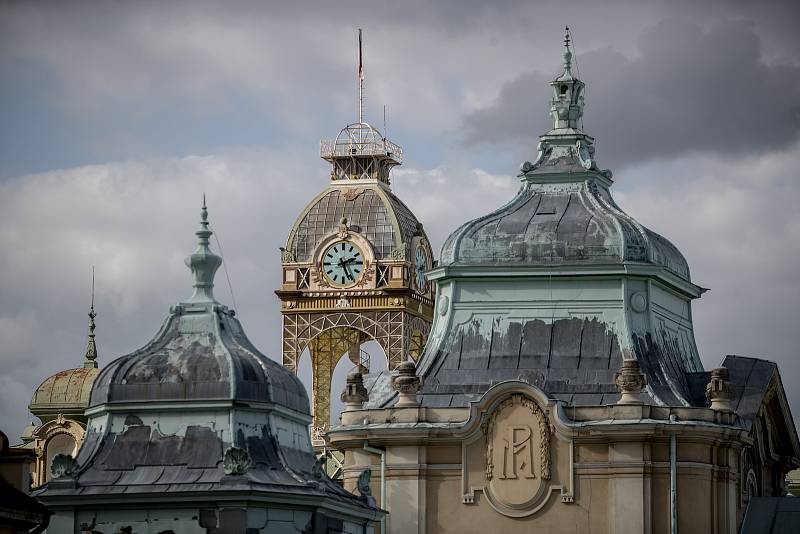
360, 81
92, 288
385, 134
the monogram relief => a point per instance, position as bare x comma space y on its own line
513, 447
517, 455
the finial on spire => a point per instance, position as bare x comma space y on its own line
203, 262
567, 51
90, 358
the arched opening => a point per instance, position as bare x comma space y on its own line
323, 366
416, 345
61, 443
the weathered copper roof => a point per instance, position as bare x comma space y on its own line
201, 352
64, 392
575, 224
564, 213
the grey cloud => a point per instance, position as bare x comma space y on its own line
293, 63
734, 219
135, 222
687, 90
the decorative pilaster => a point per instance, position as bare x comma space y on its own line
630, 382
718, 390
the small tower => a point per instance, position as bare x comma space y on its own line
567, 103
354, 266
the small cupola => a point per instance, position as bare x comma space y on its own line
567, 104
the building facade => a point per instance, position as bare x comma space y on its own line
561, 388
544, 377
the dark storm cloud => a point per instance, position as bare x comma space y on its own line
688, 90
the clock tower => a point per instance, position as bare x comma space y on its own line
354, 268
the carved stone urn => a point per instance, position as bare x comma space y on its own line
630, 382
407, 384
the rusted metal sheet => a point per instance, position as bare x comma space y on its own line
574, 357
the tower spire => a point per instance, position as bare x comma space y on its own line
90, 358
567, 51
202, 262
566, 106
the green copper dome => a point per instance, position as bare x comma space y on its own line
564, 214
200, 353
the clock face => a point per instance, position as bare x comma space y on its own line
420, 266
343, 263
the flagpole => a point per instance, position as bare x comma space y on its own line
360, 81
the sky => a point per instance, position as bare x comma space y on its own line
116, 117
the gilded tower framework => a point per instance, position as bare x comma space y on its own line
354, 268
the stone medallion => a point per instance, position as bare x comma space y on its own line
514, 453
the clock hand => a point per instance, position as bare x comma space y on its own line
346, 269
